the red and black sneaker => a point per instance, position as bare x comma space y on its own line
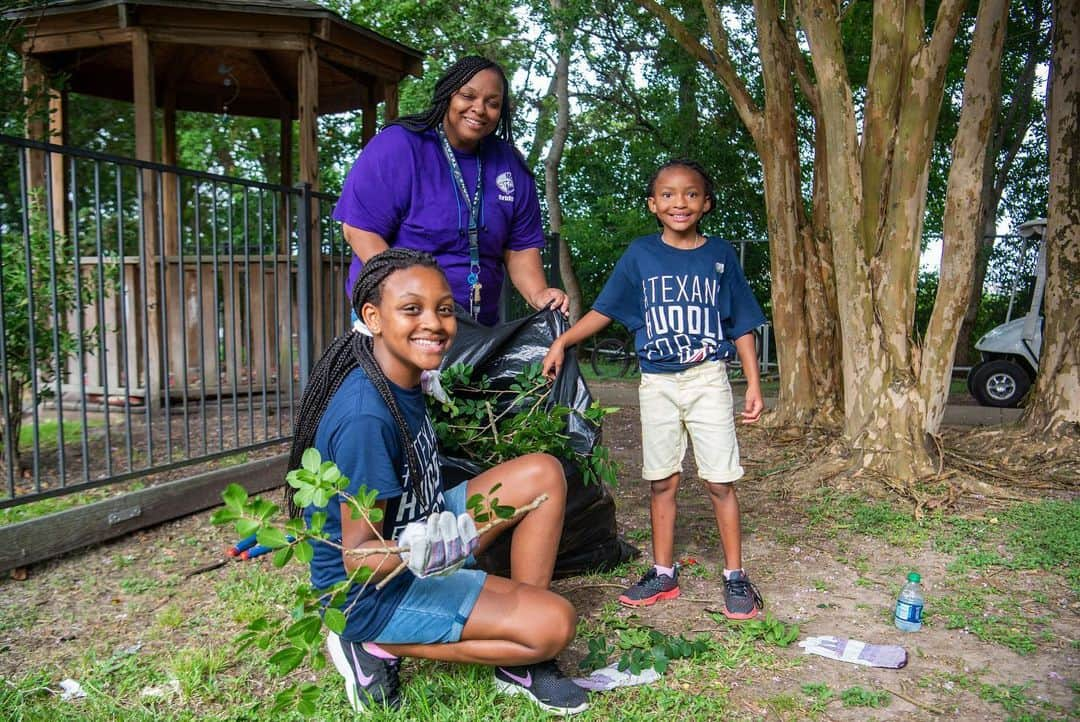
651, 589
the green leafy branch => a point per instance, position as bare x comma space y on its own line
298, 638
639, 648
488, 425
767, 629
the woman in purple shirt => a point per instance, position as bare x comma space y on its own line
449, 181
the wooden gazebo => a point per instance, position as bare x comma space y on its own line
292, 59
285, 59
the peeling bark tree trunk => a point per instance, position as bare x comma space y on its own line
1055, 403
554, 157
1007, 136
877, 199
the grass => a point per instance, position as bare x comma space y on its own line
187, 667
53, 504
48, 432
1040, 536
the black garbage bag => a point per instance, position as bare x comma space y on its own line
589, 541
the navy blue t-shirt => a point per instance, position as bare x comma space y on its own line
683, 306
358, 433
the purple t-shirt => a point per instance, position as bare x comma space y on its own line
401, 188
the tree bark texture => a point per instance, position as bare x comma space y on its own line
561, 85
1009, 126
877, 200
1055, 401
964, 208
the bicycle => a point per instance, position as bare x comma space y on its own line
613, 357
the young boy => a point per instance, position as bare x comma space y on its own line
685, 299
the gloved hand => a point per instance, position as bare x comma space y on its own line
440, 545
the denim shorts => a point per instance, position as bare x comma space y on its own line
434, 610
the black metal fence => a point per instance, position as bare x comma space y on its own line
151, 317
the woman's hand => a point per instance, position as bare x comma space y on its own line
554, 298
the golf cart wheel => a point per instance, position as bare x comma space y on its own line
1000, 383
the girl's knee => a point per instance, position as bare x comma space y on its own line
549, 473
561, 627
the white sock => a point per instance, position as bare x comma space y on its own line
729, 572
669, 571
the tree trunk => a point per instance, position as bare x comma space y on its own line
877, 198
1006, 138
554, 156
1055, 402
802, 294
964, 208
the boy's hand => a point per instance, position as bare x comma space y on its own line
553, 360
754, 404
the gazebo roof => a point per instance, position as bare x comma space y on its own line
213, 53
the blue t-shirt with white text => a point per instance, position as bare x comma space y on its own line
358, 433
684, 306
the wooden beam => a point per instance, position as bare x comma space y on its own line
42, 44
360, 60
58, 134
37, 118
368, 113
286, 160
39, 539
265, 63
308, 107
390, 112
262, 41
142, 71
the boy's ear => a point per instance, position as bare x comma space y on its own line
652, 204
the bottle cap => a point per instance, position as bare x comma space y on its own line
914, 577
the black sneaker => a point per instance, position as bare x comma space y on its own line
741, 598
651, 589
369, 680
545, 685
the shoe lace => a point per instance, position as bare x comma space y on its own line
744, 588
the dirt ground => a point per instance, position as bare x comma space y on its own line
807, 576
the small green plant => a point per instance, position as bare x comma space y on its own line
862, 697
639, 648
768, 629
487, 425
820, 696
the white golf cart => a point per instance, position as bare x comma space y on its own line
1010, 352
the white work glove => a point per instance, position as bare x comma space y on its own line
440, 545
855, 651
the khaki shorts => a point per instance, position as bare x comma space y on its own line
695, 404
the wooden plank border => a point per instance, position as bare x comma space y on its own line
49, 536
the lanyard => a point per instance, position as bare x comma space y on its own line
474, 218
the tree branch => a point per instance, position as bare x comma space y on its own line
718, 62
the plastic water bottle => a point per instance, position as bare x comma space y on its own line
909, 605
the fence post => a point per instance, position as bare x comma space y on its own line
304, 272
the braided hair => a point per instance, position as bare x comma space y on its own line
345, 354
451, 82
710, 190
